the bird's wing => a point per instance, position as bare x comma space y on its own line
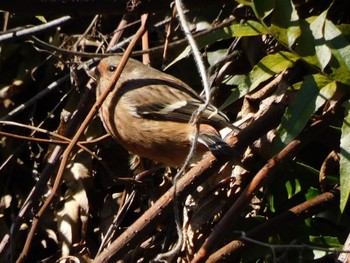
166, 99
182, 111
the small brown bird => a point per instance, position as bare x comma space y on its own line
148, 113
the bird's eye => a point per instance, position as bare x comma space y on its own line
111, 68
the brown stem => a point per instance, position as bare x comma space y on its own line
297, 213
260, 178
71, 145
30, 203
139, 231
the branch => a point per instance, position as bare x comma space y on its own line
81, 8
69, 149
297, 213
259, 180
139, 231
10, 35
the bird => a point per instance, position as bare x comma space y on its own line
149, 113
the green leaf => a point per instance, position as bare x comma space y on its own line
41, 19
264, 70
292, 187
345, 30
322, 44
345, 158
341, 74
244, 2
263, 8
306, 45
312, 193
285, 22
237, 92
216, 55
308, 169
216, 35
268, 67
323, 52
338, 43
326, 240
314, 92
249, 28
340, 49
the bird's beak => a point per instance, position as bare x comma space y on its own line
95, 73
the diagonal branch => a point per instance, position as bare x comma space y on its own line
297, 213
138, 231
71, 145
259, 180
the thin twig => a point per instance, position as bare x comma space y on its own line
260, 178
6, 21
68, 150
64, 140
87, 30
195, 120
54, 157
168, 34
155, 215
196, 54
35, 29
118, 32
145, 45
121, 44
270, 227
53, 86
116, 221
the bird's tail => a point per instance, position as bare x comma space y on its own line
217, 145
